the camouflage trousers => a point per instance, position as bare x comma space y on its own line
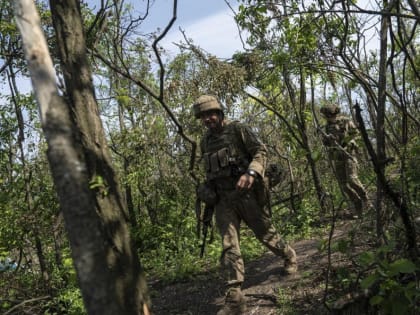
346, 173
233, 208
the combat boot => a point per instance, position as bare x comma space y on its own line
290, 260
235, 303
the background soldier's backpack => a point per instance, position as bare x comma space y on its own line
273, 174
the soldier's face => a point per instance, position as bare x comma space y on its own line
212, 120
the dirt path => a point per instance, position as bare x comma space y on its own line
267, 289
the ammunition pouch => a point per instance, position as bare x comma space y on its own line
221, 164
217, 163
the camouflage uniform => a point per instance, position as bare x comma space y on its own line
227, 156
229, 151
342, 150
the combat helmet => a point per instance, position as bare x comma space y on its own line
205, 103
330, 110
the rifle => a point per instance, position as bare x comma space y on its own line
207, 222
333, 143
207, 195
198, 216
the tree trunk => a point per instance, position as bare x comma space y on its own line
129, 199
109, 271
306, 145
380, 126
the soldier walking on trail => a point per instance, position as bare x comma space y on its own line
235, 162
339, 136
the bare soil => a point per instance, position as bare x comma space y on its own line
267, 289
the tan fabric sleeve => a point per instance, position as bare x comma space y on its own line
351, 132
255, 148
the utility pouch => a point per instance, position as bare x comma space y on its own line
207, 166
214, 163
218, 164
223, 157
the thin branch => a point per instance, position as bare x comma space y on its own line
398, 200
11, 310
237, 26
157, 54
126, 74
282, 118
345, 12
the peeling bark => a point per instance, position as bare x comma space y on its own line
109, 272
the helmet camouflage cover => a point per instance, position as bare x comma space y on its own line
205, 103
330, 110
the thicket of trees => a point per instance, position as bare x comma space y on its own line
105, 176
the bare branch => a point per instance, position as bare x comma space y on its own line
23, 303
157, 97
155, 48
282, 118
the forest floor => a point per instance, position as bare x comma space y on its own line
267, 289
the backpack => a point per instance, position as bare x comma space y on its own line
273, 174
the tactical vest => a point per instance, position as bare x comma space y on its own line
344, 132
340, 129
224, 154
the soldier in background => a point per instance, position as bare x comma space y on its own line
235, 162
339, 136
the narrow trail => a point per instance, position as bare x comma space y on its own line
267, 289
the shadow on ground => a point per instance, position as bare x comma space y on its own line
267, 289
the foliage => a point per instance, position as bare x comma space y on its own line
299, 224
284, 302
301, 55
68, 302
393, 282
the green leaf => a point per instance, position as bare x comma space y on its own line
316, 155
376, 300
96, 182
367, 258
343, 246
400, 306
369, 281
402, 266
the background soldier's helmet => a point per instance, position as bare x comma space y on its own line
205, 103
330, 110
